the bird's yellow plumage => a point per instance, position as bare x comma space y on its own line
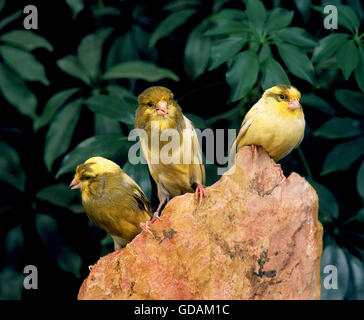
112, 200
156, 105
276, 122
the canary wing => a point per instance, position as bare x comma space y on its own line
198, 170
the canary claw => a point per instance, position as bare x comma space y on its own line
255, 150
200, 192
156, 217
90, 267
144, 226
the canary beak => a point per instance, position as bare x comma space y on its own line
75, 184
294, 104
162, 108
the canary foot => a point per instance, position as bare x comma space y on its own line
155, 217
145, 227
200, 192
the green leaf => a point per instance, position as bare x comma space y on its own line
140, 173
360, 215
11, 170
360, 180
328, 46
105, 125
123, 49
242, 74
112, 107
52, 106
144, 70
343, 156
27, 40
197, 121
14, 284
226, 27
339, 128
223, 50
256, 13
297, 62
197, 52
53, 239
58, 194
169, 24
304, 7
60, 132
89, 52
351, 100
265, 53
9, 19
102, 145
122, 93
273, 74
277, 19
297, 36
14, 246
335, 256
313, 100
72, 66
348, 18
348, 58
16, 92
359, 71
328, 205
180, 4
76, 6
24, 64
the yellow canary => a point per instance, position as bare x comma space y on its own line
276, 122
156, 105
112, 200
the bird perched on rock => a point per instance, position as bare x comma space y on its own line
112, 199
276, 122
187, 174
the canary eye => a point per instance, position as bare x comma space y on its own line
87, 177
150, 104
282, 97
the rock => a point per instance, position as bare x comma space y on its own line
253, 237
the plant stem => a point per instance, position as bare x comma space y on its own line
305, 163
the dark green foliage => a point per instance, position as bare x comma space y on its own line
70, 95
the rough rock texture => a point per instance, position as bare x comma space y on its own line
253, 237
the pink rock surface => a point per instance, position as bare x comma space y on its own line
253, 237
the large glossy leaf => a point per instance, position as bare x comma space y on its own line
334, 256
197, 52
297, 36
53, 239
104, 125
60, 132
140, 173
328, 46
112, 107
28, 40
14, 284
24, 64
328, 206
225, 27
273, 74
348, 18
9, 19
313, 100
304, 7
11, 170
242, 74
348, 58
256, 13
16, 92
359, 71
297, 62
52, 106
71, 65
59, 194
357, 282
180, 4
89, 52
144, 70
343, 156
225, 49
76, 6
102, 145
339, 128
169, 24
278, 18
360, 180
351, 100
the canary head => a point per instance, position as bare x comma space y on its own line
157, 102
288, 97
93, 172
